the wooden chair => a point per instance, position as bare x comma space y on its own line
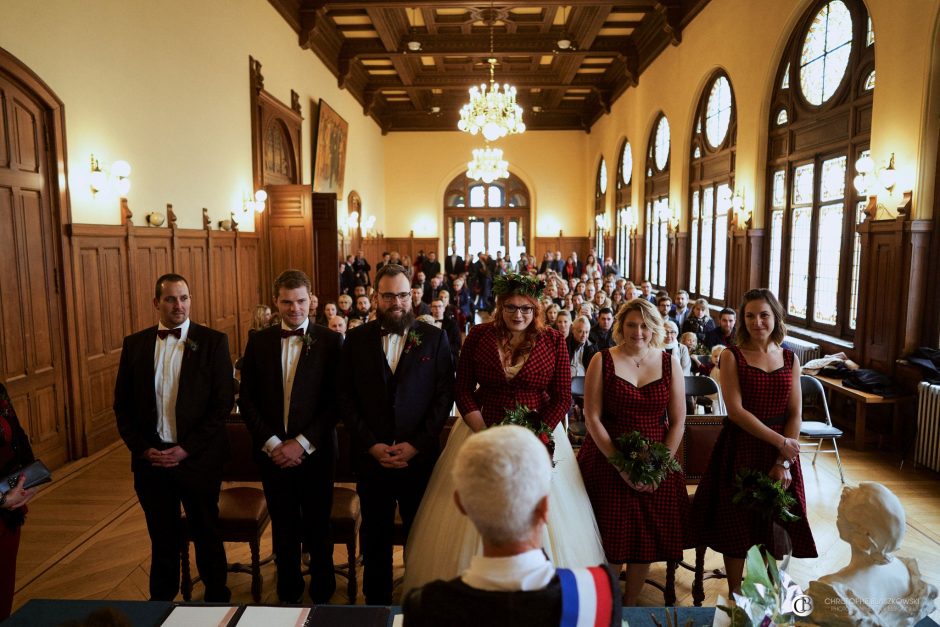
346, 516
695, 451
243, 512
815, 396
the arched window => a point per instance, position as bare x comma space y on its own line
820, 124
487, 217
657, 202
711, 187
600, 209
625, 215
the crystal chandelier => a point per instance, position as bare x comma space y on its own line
487, 165
491, 111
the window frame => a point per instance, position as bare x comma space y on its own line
656, 183
600, 208
623, 201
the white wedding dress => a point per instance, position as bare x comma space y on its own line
442, 540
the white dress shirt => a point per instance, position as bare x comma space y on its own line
291, 347
393, 344
577, 362
527, 571
167, 361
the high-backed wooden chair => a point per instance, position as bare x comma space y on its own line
243, 511
346, 515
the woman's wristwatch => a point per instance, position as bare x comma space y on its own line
785, 463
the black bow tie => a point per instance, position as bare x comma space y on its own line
389, 332
163, 333
295, 333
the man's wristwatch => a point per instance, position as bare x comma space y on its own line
785, 463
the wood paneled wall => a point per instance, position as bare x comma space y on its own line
566, 244
116, 268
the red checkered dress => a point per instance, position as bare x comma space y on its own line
635, 527
543, 384
732, 530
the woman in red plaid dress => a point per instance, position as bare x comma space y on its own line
760, 382
635, 386
513, 359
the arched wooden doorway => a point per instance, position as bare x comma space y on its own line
491, 217
32, 285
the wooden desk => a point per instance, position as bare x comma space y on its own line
862, 401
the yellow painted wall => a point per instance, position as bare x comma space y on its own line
419, 166
164, 85
747, 39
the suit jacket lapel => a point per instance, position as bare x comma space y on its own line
407, 356
150, 347
377, 347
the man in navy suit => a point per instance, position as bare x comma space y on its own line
171, 398
287, 399
396, 385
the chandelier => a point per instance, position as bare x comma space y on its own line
487, 165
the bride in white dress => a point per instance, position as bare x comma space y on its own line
512, 360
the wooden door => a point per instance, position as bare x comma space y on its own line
32, 355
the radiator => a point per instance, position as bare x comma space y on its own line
803, 349
927, 450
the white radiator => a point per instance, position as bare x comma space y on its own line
803, 349
927, 451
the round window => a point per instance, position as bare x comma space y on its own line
661, 144
718, 112
825, 53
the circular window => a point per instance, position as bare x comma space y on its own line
825, 53
602, 176
626, 164
661, 144
718, 112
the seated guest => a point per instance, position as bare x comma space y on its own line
673, 347
502, 477
681, 310
551, 314
363, 308
602, 333
344, 305
580, 347
724, 333
432, 287
630, 292
417, 304
563, 323
338, 324
664, 305
699, 322
646, 291
690, 341
353, 323
445, 322
260, 318
329, 310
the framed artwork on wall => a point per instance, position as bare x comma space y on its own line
330, 157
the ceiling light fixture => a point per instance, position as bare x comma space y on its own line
565, 42
413, 44
487, 165
492, 112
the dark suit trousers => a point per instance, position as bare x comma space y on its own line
380, 489
9, 546
160, 491
300, 501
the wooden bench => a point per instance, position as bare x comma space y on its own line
862, 401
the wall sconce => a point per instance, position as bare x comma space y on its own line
671, 216
742, 215
368, 225
602, 221
352, 223
155, 218
256, 205
117, 182
628, 217
886, 177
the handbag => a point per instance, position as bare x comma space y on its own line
36, 474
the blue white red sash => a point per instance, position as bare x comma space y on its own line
586, 599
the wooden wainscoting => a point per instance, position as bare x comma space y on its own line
115, 271
580, 244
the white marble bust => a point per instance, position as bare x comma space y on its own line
876, 588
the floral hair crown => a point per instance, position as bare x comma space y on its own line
522, 284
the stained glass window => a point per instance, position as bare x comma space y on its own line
697, 153
803, 184
870, 36
623, 240
870, 81
722, 207
799, 260
626, 161
828, 253
782, 117
718, 111
695, 227
661, 145
708, 207
477, 196
825, 54
785, 83
856, 263
832, 183
780, 190
495, 196
776, 237
663, 239
602, 176
649, 238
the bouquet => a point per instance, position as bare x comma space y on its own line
757, 491
644, 460
768, 596
522, 416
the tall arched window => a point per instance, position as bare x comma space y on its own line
600, 208
491, 217
820, 124
657, 202
711, 185
625, 215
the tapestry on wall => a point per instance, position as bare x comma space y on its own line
330, 157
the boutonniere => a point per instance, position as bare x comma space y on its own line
308, 342
412, 340
191, 345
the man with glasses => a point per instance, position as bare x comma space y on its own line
396, 388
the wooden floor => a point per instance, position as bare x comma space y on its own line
85, 536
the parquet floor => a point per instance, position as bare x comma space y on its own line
85, 536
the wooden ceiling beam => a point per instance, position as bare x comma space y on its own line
467, 4
478, 46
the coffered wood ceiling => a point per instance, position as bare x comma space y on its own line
364, 44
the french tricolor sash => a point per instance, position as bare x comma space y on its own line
586, 599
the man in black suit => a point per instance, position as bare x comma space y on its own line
431, 266
454, 266
396, 390
288, 401
502, 477
171, 398
446, 323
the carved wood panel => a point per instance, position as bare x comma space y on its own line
224, 292
192, 262
325, 247
152, 259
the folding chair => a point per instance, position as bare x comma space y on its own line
816, 430
696, 385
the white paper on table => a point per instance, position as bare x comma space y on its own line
261, 616
398, 620
199, 616
721, 619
